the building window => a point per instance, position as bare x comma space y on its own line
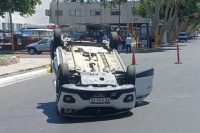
115, 12
3, 26
47, 13
59, 13
94, 12
74, 13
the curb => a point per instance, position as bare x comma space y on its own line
144, 49
28, 52
21, 77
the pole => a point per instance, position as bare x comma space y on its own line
136, 31
11, 29
119, 16
132, 21
57, 13
134, 12
178, 56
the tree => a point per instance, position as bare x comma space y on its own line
152, 7
168, 13
24, 7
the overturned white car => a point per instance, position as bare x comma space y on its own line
91, 79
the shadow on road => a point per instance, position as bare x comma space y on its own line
49, 109
143, 103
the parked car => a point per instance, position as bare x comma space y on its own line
39, 47
183, 36
196, 33
189, 36
91, 80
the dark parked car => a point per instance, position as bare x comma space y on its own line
183, 36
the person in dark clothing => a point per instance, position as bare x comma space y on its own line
151, 40
15, 42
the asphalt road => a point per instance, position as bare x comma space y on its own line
172, 107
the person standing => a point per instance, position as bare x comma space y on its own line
153, 40
128, 43
123, 39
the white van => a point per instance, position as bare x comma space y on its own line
38, 26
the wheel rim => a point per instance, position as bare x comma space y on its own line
31, 51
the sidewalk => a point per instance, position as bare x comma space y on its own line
25, 65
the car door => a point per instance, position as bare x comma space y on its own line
144, 83
42, 45
47, 45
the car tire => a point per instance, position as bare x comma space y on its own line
39, 52
113, 40
130, 74
31, 51
52, 50
57, 38
62, 76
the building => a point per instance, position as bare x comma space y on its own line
38, 18
71, 12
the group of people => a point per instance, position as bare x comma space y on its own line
124, 41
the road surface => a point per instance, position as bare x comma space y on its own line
172, 107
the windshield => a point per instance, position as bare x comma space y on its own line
182, 34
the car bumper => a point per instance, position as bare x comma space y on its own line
82, 106
183, 38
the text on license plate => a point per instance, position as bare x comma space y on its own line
99, 100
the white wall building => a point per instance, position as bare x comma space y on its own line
38, 18
71, 12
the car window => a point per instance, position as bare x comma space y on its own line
49, 40
43, 41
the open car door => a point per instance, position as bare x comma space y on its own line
144, 83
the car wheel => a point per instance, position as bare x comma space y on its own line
130, 74
113, 40
39, 52
57, 38
31, 51
62, 76
136, 104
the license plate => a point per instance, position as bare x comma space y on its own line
99, 100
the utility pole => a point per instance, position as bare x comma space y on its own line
11, 29
57, 12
